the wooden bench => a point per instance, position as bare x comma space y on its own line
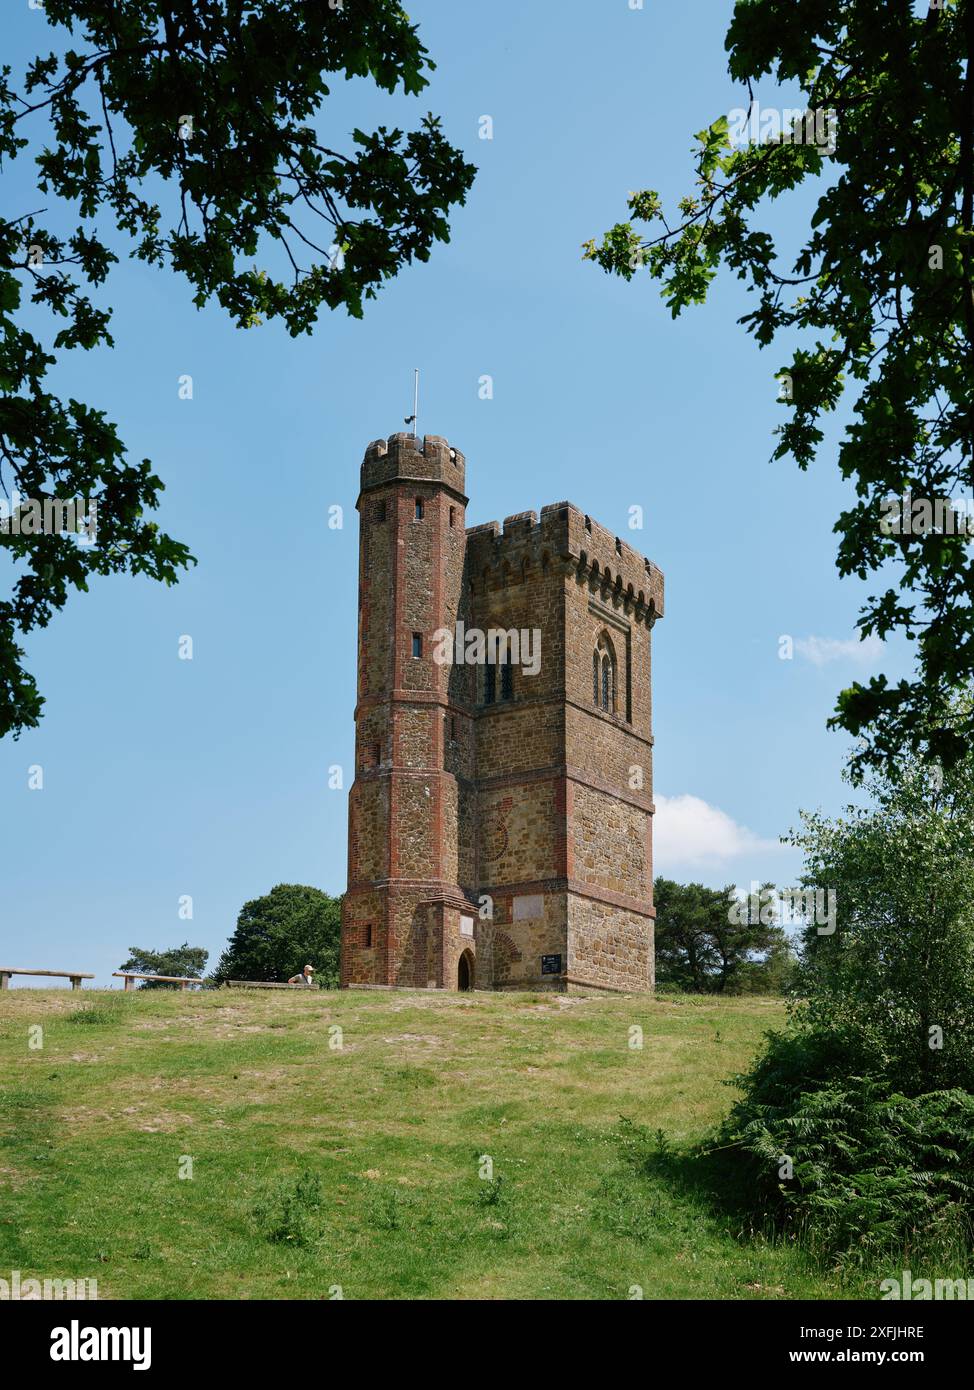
75, 976
263, 984
184, 981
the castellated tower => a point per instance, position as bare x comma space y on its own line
500, 821
402, 915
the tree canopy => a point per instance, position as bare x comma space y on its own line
187, 132
880, 299
706, 946
280, 933
186, 960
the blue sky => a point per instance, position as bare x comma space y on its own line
209, 778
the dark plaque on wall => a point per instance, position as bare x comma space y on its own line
551, 965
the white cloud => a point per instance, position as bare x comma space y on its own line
687, 830
821, 650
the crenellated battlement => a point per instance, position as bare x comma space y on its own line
604, 561
402, 456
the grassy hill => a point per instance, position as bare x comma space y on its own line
359, 1166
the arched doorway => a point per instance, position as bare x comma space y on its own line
465, 971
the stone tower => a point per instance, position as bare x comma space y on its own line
402, 915
500, 821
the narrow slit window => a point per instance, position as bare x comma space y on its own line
490, 678
419, 508
604, 675
417, 644
367, 931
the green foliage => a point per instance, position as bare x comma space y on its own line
95, 1015
879, 300
415, 1077
773, 974
895, 983
186, 960
278, 934
289, 1212
385, 1209
209, 106
700, 949
871, 1172
870, 1091
490, 1193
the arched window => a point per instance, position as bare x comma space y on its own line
604, 675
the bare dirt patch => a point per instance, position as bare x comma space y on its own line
13, 1179
428, 1039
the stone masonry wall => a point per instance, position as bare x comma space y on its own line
609, 947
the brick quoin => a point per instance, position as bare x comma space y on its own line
528, 818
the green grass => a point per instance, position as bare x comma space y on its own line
363, 1167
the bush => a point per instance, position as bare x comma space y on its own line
854, 1170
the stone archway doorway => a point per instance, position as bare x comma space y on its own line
465, 970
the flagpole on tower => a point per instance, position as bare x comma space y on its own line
414, 418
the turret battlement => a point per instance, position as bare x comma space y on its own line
403, 456
565, 533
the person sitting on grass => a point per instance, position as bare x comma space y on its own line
304, 978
